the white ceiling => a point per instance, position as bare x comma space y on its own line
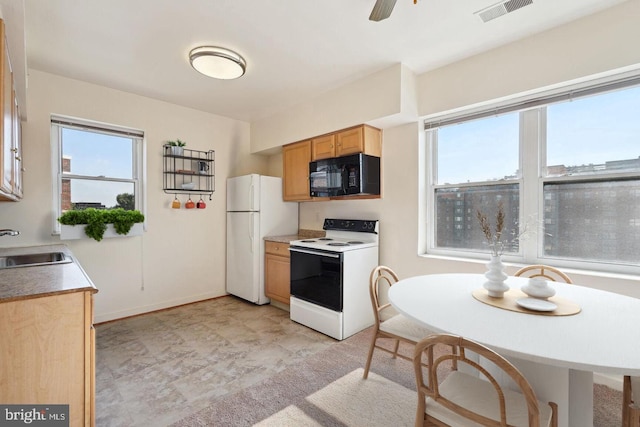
295, 49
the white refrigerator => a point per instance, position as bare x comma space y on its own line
254, 210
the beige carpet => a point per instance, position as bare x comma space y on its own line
351, 401
286, 397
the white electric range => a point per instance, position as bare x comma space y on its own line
330, 277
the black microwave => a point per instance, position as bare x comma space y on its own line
343, 176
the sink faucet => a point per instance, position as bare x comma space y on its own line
8, 232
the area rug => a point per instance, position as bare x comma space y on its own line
351, 400
324, 390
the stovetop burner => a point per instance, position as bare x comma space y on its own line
343, 235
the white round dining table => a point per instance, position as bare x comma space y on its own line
557, 354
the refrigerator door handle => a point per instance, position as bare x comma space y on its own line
251, 230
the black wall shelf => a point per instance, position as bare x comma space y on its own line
188, 171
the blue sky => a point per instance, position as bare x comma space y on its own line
588, 130
96, 154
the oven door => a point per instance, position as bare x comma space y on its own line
316, 277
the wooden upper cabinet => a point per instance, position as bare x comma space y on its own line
295, 171
359, 139
323, 147
296, 157
10, 145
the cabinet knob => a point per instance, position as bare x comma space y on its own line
18, 158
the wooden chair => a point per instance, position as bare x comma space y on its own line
462, 399
388, 323
631, 415
546, 271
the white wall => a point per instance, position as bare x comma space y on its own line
592, 45
377, 96
181, 256
589, 46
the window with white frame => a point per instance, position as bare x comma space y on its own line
95, 166
565, 169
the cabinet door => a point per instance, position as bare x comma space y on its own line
42, 352
295, 174
323, 147
350, 141
361, 139
277, 276
7, 159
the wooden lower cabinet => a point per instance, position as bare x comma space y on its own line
47, 353
276, 271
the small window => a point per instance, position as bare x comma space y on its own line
96, 166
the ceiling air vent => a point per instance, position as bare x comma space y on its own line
502, 8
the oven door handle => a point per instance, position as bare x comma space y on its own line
314, 253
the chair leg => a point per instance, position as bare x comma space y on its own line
395, 349
420, 422
626, 401
370, 356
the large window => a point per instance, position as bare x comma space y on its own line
566, 173
95, 166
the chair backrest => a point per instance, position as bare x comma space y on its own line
379, 276
545, 271
460, 347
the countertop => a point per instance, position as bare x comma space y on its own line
38, 281
302, 234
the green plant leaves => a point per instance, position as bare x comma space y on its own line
96, 220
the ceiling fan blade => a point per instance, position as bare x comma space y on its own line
382, 10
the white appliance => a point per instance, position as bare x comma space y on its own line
254, 210
330, 277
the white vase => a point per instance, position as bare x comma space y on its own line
496, 276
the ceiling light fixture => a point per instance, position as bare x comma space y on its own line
217, 62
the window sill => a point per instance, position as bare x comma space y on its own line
598, 274
73, 232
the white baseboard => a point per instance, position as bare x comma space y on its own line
114, 315
612, 381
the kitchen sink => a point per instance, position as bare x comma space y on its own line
30, 260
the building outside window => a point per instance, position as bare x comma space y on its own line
96, 166
566, 170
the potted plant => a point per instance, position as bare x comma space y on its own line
98, 221
176, 147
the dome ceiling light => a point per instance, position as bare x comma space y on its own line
217, 62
